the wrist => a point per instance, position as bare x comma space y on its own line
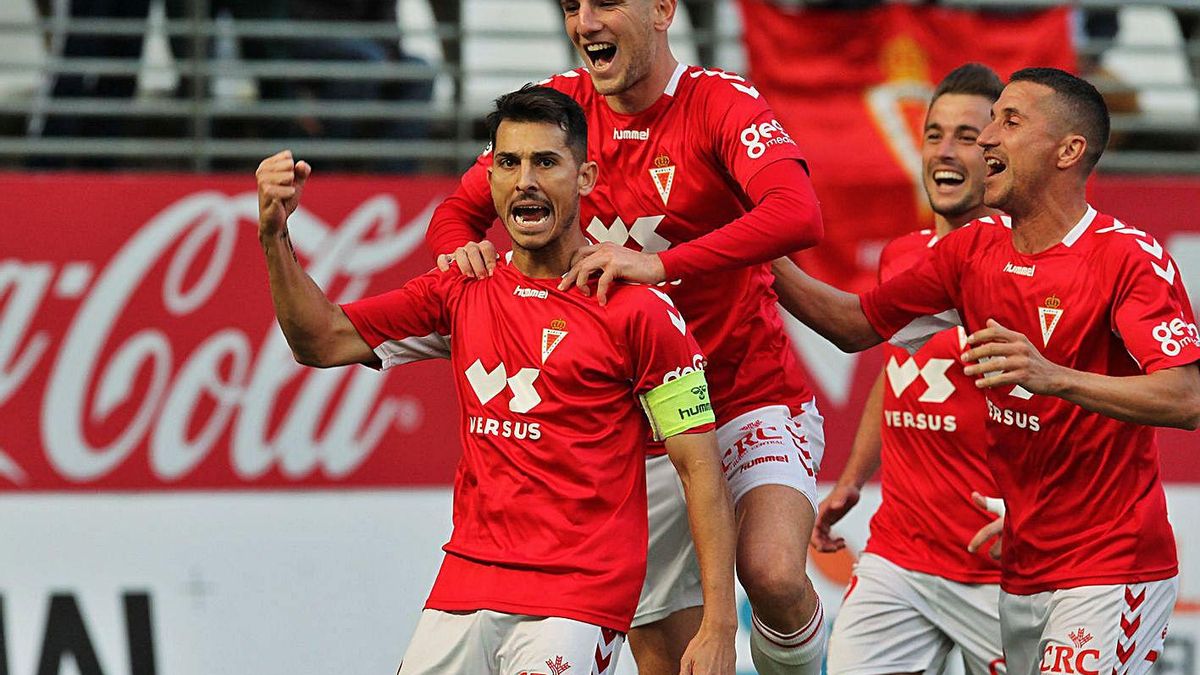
658, 270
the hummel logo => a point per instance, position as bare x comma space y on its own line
1080, 637
539, 293
1020, 269
631, 134
558, 666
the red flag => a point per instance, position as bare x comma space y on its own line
852, 86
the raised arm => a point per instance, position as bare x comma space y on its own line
838, 316
316, 329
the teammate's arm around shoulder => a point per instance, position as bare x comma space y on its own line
316, 329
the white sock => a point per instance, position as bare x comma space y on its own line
798, 653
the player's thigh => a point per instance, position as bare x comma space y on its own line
883, 626
658, 647
447, 643
672, 571
969, 615
1102, 629
531, 644
769, 446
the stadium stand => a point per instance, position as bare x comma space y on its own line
474, 49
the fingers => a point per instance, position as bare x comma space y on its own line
985, 533
994, 551
476, 260
993, 332
581, 253
606, 280
444, 260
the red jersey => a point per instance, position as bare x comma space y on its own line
670, 176
1085, 502
550, 494
934, 449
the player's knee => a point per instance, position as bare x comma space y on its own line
777, 580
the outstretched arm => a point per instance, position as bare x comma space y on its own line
863, 463
316, 329
838, 316
710, 515
1166, 398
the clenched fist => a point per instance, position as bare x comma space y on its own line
280, 182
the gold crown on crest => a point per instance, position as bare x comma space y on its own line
662, 161
1053, 302
558, 324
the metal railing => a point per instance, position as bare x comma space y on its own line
192, 125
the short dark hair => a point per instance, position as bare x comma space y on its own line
1083, 107
972, 79
532, 103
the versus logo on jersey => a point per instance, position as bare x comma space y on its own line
1013, 418
938, 386
1048, 316
552, 337
487, 384
663, 175
643, 231
1174, 335
631, 134
1020, 270
759, 136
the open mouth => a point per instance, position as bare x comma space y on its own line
600, 53
948, 178
530, 214
994, 165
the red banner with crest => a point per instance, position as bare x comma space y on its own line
852, 86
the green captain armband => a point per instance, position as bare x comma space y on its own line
678, 405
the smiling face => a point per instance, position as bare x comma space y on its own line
1020, 147
952, 162
536, 183
619, 40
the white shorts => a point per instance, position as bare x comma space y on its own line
894, 620
1087, 630
494, 643
672, 571
769, 447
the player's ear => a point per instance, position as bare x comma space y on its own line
588, 173
1071, 151
664, 13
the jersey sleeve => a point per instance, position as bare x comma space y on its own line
408, 324
785, 217
746, 136
466, 215
666, 366
921, 301
1151, 311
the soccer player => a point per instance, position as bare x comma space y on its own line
1082, 341
701, 188
558, 396
916, 591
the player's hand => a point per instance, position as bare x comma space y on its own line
999, 356
992, 529
280, 182
711, 652
475, 260
611, 262
833, 508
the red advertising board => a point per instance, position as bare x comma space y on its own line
138, 348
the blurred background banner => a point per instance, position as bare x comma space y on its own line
852, 86
139, 350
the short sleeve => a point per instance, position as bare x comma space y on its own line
930, 288
746, 134
408, 324
1151, 311
661, 347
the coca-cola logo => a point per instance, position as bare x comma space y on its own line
180, 400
